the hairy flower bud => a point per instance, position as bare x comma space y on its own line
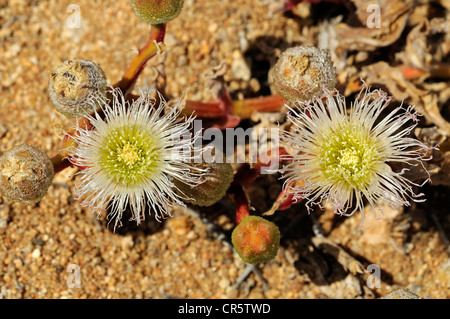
26, 173
217, 180
256, 239
76, 87
303, 72
157, 11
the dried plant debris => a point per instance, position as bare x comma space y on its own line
349, 263
374, 32
423, 98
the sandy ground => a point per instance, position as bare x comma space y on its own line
187, 256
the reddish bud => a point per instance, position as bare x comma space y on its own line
256, 240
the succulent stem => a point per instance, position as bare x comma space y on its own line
224, 110
241, 202
60, 161
151, 48
205, 110
245, 108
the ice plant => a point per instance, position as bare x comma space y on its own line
343, 157
132, 156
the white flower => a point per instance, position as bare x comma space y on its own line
130, 157
344, 157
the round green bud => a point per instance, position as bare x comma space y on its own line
302, 72
157, 11
217, 180
256, 240
26, 173
76, 87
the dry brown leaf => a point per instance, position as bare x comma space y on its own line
426, 51
403, 90
391, 77
416, 46
330, 247
393, 19
432, 113
445, 3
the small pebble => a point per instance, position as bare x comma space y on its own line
36, 253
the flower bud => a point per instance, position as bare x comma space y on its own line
303, 72
157, 11
76, 87
256, 240
26, 173
217, 180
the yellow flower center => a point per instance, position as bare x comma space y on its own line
128, 154
348, 156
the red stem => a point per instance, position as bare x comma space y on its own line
156, 37
245, 108
224, 107
241, 203
204, 110
60, 161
